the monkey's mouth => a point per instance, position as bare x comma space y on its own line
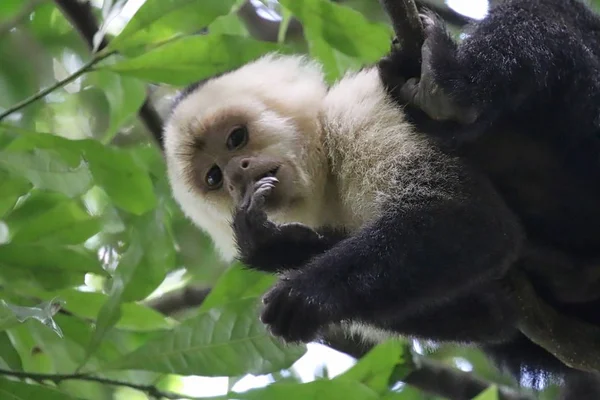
271, 172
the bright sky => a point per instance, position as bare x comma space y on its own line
317, 355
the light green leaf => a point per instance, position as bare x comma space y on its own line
317, 390
342, 28
115, 170
490, 393
45, 169
376, 367
110, 312
237, 283
160, 20
193, 58
13, 390
125, 96
51, 218
11, 188
226, 341
133, 316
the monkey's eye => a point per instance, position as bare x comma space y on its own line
237, 138
214, 177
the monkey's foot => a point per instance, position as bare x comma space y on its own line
291, 311
425, 93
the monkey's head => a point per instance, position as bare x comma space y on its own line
227, 133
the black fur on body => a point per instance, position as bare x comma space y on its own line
527, 81
530, 73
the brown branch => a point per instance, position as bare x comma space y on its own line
81, 16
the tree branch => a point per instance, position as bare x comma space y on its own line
58, 84
81, 16
151, 390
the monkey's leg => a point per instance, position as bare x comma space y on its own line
269, 247
428, 247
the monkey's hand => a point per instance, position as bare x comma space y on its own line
264, 245
425, 93
293, 310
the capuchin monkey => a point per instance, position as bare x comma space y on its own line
367, 214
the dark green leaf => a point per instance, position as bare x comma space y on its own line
11, 188
159, 20
193, 58
8, 355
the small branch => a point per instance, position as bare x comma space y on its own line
407, 25
19, 17
87, 67
81, 16
151, 390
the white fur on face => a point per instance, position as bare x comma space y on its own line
281, 96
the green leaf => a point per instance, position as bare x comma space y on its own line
376, 367
115, 170
124, 95
159, 20
11, 188
133, 316
13, 390
51, 267
193, 58
225, 341
51, 218
342, 28
158, 256
490, 393
110, 312
9, 357
237, 283
125, 181
317, 390
46, 169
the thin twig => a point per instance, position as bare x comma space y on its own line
85, 68
151, 390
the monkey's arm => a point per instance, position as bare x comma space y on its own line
445, 232
269, 247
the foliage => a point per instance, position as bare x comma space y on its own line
86, 217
